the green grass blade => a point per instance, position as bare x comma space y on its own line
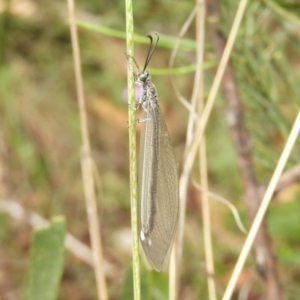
46, 261
166, 41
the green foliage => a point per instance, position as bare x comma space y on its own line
288, 10
283, 221
154, 285
288, 255
46, 261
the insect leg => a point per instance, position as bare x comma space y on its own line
130, 65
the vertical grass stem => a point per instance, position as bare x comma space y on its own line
132, 155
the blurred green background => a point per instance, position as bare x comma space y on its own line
40, 133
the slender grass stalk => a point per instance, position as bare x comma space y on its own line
173, 274
87, 164
226, 202
132, 155
208, 249
176, 253
216, 83
263, 208
192, 144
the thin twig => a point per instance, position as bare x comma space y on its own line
263, 208
132, 154
87, 165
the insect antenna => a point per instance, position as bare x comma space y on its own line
151, 48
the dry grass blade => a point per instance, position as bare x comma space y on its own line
216, 83
263, 208
87, 165
182, 32
193, 146
225, 202
207, 238
175, 258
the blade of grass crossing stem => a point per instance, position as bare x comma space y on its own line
216, 84
46, 261
263, 208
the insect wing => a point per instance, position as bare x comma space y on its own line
158, 190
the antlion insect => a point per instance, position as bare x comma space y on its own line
158, 178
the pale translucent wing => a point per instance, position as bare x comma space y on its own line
148, 169
158, 190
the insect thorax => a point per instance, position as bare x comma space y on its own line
149, 95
